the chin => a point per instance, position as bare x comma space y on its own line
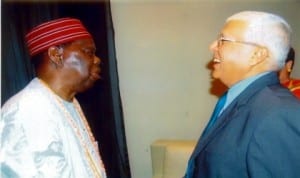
215, 75
89, 84
86, 85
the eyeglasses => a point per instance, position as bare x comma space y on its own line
222, 39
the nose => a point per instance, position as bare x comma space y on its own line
97, 60
213, 46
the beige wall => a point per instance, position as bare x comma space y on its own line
162, 53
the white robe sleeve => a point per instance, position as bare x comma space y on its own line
31, 146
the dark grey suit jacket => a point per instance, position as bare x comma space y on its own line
257, 135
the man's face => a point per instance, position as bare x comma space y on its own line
231, 55
81, 65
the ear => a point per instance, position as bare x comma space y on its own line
259, 56
55, 55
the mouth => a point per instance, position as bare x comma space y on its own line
216, 63
216, 60
95, 74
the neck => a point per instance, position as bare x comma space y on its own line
58, 88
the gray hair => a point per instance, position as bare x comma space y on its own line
268, 30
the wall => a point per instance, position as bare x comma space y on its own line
162, 53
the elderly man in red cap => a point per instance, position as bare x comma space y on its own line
43, 131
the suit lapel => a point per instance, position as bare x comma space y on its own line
221, 122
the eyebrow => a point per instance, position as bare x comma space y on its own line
90, 47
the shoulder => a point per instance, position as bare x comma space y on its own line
295, 87
292, 84
276, 112
277, 95
31, 103
276, 108
273, 102
27, 96
29, 112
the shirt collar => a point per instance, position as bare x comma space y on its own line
239, 87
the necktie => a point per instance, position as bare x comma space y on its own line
220, 104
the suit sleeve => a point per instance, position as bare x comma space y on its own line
274, 147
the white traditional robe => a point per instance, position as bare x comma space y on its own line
38, 140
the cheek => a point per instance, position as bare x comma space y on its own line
224, 70
83, 68
228, 54
79, 65
238, 55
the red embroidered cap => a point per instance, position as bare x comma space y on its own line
55, 32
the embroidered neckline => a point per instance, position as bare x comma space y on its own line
77, 131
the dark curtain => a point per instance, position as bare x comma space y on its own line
101, 104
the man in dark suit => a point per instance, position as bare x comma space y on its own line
256, 130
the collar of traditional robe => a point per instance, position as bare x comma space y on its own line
96, 169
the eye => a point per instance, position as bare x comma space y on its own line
89, 52
220, 42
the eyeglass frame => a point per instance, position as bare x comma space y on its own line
222, 39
